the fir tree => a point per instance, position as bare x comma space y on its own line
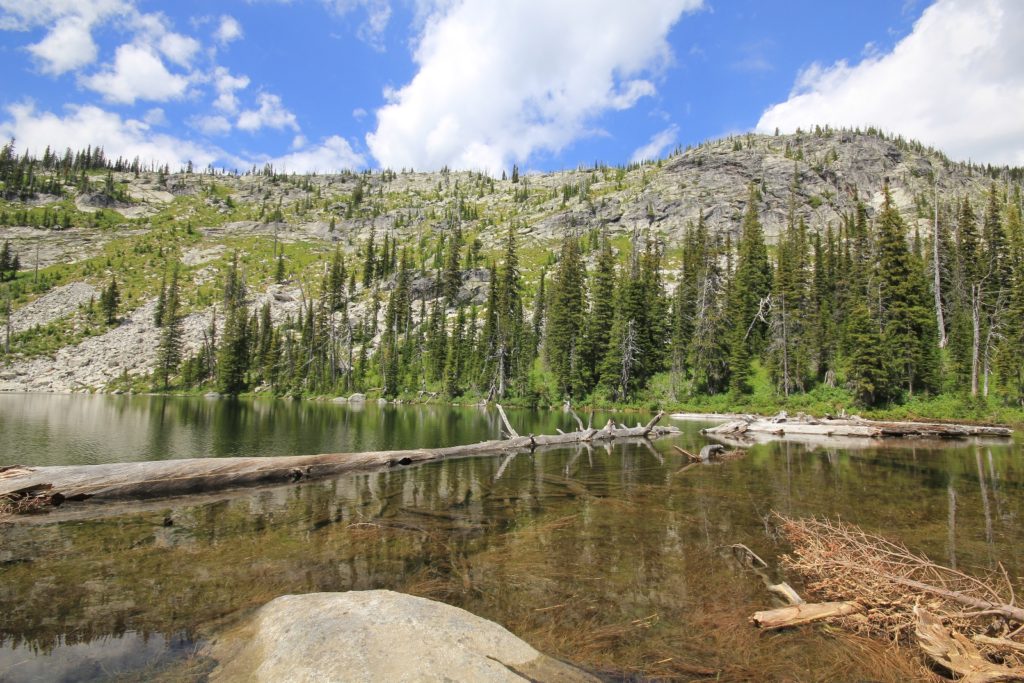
233, 352
748, 294
563, 341
335, 293
601, 317
110, 299
908, 325
169, 351
452, 278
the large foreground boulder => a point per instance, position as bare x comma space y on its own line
378, 636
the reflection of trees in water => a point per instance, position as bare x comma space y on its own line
567, 548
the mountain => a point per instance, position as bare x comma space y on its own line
74, 227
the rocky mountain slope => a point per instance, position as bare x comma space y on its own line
201, 218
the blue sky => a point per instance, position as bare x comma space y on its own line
545, 84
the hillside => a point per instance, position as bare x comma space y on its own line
132, 225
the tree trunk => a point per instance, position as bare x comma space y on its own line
938, 273
140, 480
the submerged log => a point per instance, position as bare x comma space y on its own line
747, 427
154, 479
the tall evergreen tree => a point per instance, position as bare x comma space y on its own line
169, 351
233, 352
748, 295
563, 341
110, 300
908, 325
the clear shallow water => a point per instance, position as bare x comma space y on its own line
609, 558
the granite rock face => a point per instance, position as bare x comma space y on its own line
375, 636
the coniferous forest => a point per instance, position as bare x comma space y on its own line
864, 311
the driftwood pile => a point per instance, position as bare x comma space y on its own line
969, 626
31, 488
749, 429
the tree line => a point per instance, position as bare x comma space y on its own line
868, 305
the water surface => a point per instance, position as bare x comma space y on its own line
609, 558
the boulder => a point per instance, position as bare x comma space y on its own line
357, 398
376, 636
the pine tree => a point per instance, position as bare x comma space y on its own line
866, 373
908, 325
684, 299
161, 302
370, 265
336, 298
169, 351
602, 315
456, 359
790, 316
279, 272
708, 354
233, 352
452, 279
749, 292
563, 341
511, 367
110, 299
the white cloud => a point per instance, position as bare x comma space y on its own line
228, 30
657, 144
137, 74
68, 46
271, 114
178, 48
90, 125
955, 82
378, 15
155, 117
359, 113
500, 81
212, 125
226, 85
331, 155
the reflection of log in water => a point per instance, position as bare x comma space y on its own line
750, 429
141, 480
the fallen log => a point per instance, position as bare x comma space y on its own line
156, 479
795, 615
748, 428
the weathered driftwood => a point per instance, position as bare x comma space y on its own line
957, 654
749, 428
142, 480
795, 615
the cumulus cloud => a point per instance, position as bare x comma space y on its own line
228, 30
331, 155
498, 82
212, 125
657, 144
270, 114
68, 46
955, 82
178, 48
226, 85
90, 125
137, 73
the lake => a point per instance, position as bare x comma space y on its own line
610, 558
